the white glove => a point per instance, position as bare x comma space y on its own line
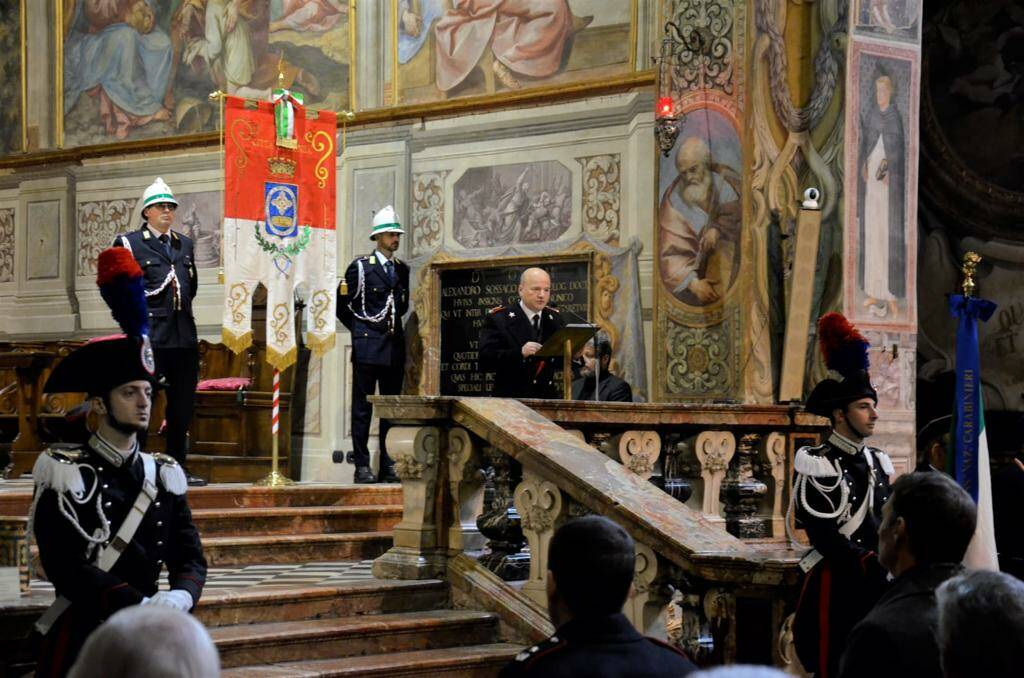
179, 599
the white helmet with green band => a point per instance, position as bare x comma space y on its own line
157, 192
385, 221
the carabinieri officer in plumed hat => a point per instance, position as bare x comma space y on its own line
106, 515
372, 299
838, 492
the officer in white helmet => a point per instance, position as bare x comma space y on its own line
168, 264
372, 299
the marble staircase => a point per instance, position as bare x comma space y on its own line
326, 627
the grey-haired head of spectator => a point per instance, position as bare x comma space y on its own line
981, 625
590, 569
741, 671
151, 641
929, 519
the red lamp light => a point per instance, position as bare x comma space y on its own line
665, 107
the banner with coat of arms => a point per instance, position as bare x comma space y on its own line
279, 202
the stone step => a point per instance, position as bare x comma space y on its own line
291, 549
295, 520
243, 495
372, 596
275, 642
473, 661
223, 468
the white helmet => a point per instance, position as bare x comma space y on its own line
157, 192
385, 221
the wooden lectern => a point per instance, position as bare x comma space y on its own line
565, 342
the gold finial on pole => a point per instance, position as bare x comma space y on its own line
280, 71
969, 268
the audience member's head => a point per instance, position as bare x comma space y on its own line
741, 671
148, 640
981, 625
597, 350
928, 519
590, 569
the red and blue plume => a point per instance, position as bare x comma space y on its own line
122, 287
844, 348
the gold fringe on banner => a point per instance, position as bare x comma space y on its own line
282, 361
238, 343
320, 346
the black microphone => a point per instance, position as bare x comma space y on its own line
578, 316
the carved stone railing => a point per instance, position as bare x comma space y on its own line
718, 597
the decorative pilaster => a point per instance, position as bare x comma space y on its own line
714, 450
416, 553
466, 482
542, 511
742, 493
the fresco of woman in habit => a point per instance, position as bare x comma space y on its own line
144, 68
700, 214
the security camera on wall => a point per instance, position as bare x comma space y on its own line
811, 197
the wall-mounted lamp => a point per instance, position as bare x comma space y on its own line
695, 41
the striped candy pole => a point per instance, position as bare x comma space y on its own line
275, 479
275, 421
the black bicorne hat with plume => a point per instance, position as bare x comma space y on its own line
106, 363
846, 352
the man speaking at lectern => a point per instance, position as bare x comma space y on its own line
512, 334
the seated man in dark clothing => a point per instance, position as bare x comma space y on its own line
590, 570
926, 526
595, 368
981, 625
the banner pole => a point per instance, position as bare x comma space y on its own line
275, 478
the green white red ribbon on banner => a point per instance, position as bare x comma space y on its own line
284, 114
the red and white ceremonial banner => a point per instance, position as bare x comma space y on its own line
279, 205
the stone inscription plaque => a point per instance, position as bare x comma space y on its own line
468, 294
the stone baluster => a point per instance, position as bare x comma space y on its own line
416, 553
542, 511
466, 482
773, 455
650, 596
714, 450
742, 493
500, 521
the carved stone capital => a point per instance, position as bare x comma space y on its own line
647, 604
639, 450
466, 484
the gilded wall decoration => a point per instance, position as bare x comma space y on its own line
137, 70
99, 221
427, 210
701, 361
7, 245
518, 203
709, 66
447, 49
601, 184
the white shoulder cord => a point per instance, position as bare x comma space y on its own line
172, 277
67, 509
361, 293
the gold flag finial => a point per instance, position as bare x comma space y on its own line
280, 71
969, 268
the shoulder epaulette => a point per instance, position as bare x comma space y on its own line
552, 643
811, 461
57, 469
162, 458
884, 461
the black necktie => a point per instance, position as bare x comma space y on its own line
389, 268
536, 326
166, 242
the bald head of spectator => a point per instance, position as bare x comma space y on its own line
151, 641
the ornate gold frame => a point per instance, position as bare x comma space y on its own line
427, 303
444, 104
139, 145
23, 67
